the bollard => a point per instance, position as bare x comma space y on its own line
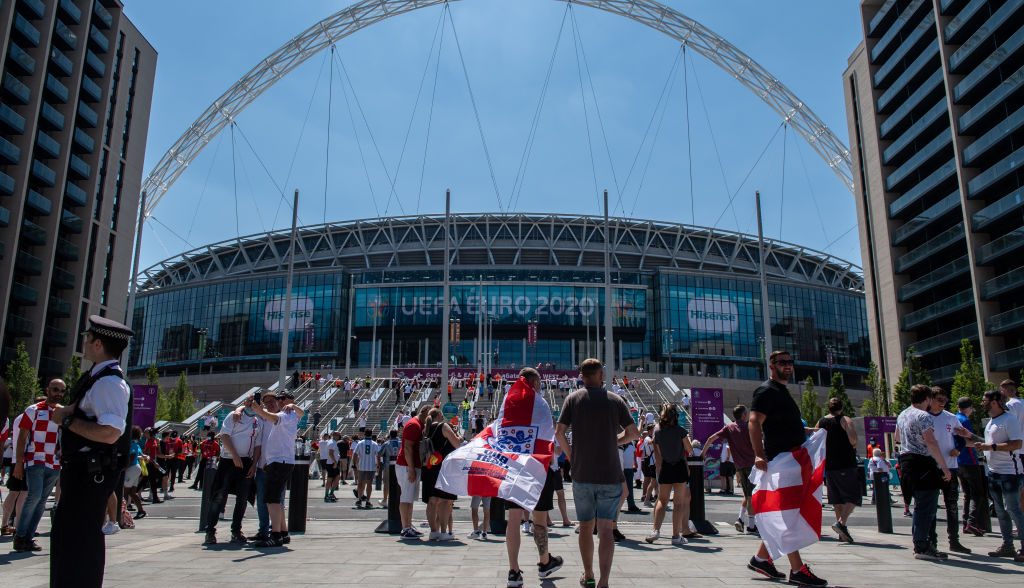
883, 507
297, 497
696, 483
393, 524
206, 502
498, 521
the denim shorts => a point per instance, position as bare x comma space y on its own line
596, 500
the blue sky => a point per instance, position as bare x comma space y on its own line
507, 45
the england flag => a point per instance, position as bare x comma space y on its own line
787, 498
509, 459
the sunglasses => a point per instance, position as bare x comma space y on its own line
783, 362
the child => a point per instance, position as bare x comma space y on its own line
877, 465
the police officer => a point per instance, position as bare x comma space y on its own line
93, 455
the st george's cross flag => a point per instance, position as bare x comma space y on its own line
787, 498
509, 459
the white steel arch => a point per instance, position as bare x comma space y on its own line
367, 12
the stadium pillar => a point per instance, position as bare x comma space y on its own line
609, 343
447, 292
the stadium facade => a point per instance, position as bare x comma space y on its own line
534, 283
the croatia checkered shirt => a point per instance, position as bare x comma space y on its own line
43, 445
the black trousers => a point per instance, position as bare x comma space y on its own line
950, 499
229, 480
972, 482
77, 546
198, 482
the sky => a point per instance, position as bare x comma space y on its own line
404, 108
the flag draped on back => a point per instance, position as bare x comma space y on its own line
509, 459
787, 498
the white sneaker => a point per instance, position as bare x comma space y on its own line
445, 537
679, 540
483, 536
653, 536
110, 528
434, 536
381, 502
474, 535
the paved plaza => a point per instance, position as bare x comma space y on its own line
340, 548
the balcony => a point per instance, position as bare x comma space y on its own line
28, 263
943, 374
38, 203
929, 118
959, 301
928, 58
74, 195
19, 326
29, 33
998, 171
63, 279
9, 152
1011, 358
65, 36
935, 277
94, 62
947, 340
103, 16
57, 90
15, 89
52, 116
47, 144
32, 233
927, 88
982, 37
72, 11
899, 21
934, 147
36, 8
55, 336
19, 57
91, 90
1005, 130
954, 234
1005, 321
80, 167
24, 295
1007, 282
6, 184
997, 210
926, 27
1004, 245
50, 365
99, 39
84, 141
87, 115
58, 307
12, 120
978, 74
71, 222
993, 103
61, 61
922, 188
44, 174
66, 250
963, 18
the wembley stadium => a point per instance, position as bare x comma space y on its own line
526, 289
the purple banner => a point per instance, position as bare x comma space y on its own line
466, 372
706, 406
144, 405
875, 429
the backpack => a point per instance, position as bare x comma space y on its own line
426, 448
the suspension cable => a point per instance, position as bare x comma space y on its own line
327, 154
714, 142
476, 111
234, 179
586, 117
171, 231
252, 191
689, 145
782, 191
359, 145
266, 170
524, 160
747, 177
810, 190
430, 115
206, 182
654, 145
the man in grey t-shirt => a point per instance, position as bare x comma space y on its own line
596, 417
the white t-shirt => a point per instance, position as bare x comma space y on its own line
367, 450
627, 456
1015, 406
245, 435
265, 428
325, 451
1001, 429
649, 418
945, 423
280, 444
878, 465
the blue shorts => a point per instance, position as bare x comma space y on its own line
596, 500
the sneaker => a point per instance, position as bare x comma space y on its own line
527, 528
381, 502
110, 528
929, 555
842, 532
679, 541
588, 582
169, 495
445, 537
434, 536
617, 534
648, 504
957, 547
211, 539
140, 515
259, 537
753, 531
1004, 551
238, 538
474, 535
409, 534
740, 526
285, 539
483, 536
416, 532
766, 568
355, 493
554, 564
1019, 557
653, 536
804, 577
515, 579
973, 530
268, 542
906, 513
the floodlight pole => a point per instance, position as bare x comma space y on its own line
445, 327
765, 318
609, 344
288, 294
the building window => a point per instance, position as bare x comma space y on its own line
130, 105
101, 179
116, 208
109, 263
114, 83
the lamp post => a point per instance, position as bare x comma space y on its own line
392, 344
671, 345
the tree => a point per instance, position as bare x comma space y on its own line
838, 390
22, 380
152, 375
182, 402
879, 390
913, 373
71, 376
869, 408
809, 407
970, 382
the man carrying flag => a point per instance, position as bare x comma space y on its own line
510, 460
788, 475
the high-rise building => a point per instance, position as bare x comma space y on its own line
935, 105
74, 115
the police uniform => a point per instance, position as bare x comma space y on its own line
90, 470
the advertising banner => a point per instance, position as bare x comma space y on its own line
144, 398
706, 408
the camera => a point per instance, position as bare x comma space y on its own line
256, 397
